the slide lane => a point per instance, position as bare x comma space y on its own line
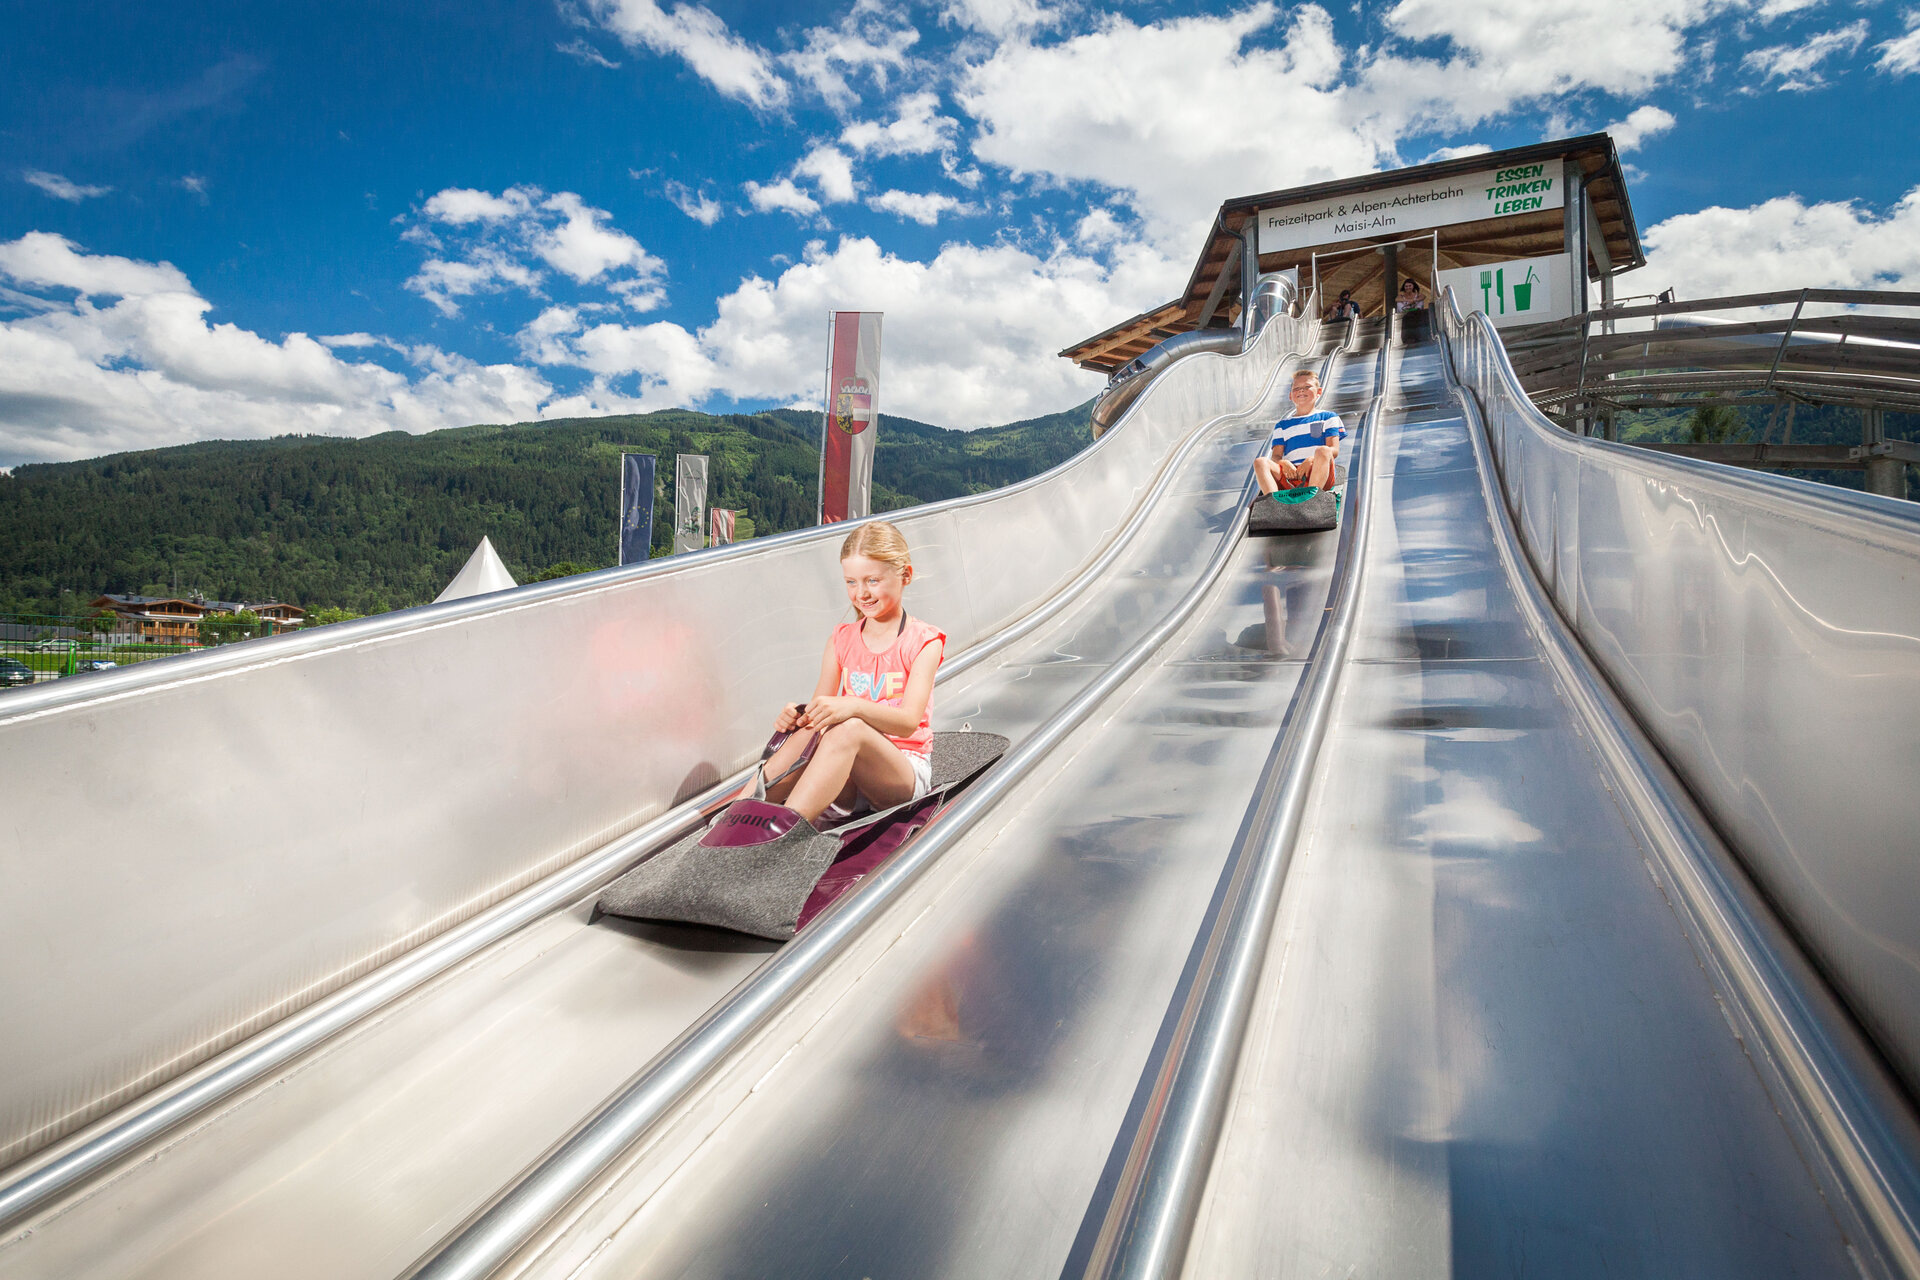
361, 1155
1484, 1044
950, 1108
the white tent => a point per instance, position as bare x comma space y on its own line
481, 574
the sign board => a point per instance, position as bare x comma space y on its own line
1419, 206
1524, 291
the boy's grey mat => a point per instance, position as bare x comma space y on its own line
1264, 515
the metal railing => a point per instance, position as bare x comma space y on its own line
1138, 1227
1842, 355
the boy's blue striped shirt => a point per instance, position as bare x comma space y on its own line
1299, 437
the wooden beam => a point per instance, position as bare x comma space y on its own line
1219, 285
1804, 457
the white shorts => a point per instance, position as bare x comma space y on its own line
922, 767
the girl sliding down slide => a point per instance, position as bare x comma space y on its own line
872, 706
774, 858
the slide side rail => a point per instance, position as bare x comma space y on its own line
1765, 633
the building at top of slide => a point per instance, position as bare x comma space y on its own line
1524, 234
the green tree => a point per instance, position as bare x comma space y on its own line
1712, 423
228, 628
565, 569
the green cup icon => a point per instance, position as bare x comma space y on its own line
1523, 293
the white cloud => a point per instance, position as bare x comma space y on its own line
1641, 123
1796, 66
463, 205
1000, 18
505, 240
924, 208
1160, 112
781, 195
441, 281
1157, 112
831, 171
916, 129
60, 188
1099, 228
42, 260
970, 335
1507, 51
1901, 55
584, 53
1455, 153
702, 209
194, 184
582, 246
1784, 243
1772, 9
864, 40
697, 34
134, 363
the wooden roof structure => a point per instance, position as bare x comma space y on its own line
1212, 296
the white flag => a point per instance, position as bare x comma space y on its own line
851, 422
689, 502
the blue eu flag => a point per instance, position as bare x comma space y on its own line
636, 506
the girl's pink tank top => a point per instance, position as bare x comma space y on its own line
882, 677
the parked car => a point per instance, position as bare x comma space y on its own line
13, 672
93, 664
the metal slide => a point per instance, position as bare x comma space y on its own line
1331, 915
1483, 1043
356, 1136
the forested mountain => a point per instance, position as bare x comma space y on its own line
384, 522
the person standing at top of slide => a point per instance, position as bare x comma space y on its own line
1300, 460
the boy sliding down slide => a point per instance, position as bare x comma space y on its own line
1304, 447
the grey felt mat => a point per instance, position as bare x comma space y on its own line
757, 889
761, 889
958, 756
1264, 515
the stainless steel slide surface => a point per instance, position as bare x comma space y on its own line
1489, 1040
356, 1158
1766, 632
390, 779
947, 1109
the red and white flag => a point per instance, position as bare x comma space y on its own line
722, 527
852, 417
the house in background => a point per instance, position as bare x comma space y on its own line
284, 617
176, 619
157, 619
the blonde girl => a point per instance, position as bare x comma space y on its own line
873, 703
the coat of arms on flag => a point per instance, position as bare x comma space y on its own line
850, 418
853, 406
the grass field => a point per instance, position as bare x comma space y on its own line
124, 655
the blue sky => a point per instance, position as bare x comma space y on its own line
243, 220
